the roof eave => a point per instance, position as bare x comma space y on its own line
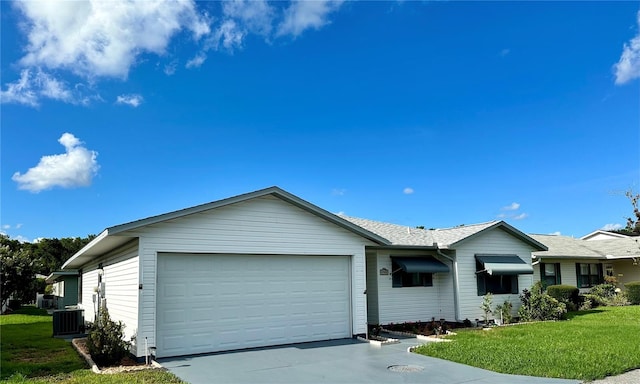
404, 247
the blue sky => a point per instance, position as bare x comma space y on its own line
416, 113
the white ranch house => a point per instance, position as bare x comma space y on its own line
268, 268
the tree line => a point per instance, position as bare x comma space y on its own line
21, 261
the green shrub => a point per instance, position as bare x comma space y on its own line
538, 305
564, 293
606, 291
503, 312
619, 300
595, 300
15, 304
487, 300
106, 342
633, 292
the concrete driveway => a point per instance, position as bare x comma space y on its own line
337, 361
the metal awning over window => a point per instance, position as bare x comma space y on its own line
422, 264
504, 265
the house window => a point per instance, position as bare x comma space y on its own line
495, 284
608, 270
589, 274
402, 279
550, 273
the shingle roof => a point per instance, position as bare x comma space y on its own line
563, 246
409, 236
396, 234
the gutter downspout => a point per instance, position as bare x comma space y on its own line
455, 281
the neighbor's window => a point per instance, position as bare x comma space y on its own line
550, 273
589, 274
608, 270
495, 284
401, 278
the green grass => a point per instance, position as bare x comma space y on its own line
590, 345
29, 354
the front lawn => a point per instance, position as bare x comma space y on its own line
28, 354
590, 345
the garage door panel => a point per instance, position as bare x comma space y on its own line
249, 301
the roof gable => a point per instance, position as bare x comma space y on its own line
479, 229
274, 191
117, 235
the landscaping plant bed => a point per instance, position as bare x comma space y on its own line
425, 328
379, 340
125, 365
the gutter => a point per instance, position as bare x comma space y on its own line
455, 281
84, 249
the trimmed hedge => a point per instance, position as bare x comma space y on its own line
564, 293
633, 292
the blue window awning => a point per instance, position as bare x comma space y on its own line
504, 265
420, 264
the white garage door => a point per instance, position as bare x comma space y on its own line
209, 303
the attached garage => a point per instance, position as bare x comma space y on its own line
260, 269
210, 303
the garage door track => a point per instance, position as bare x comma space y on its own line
337, 361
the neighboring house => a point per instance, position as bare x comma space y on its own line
66, 290
601, 234
584, 263
268, 268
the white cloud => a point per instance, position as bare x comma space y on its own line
34, 84
19, 225
338, 191
6, 226
511, 207
133, 100
302, 15
197, 61
612, 227
255, 16
103, 38
628, 67
520, 216
408, 191
96, 39
21, 239
556, 233
170, 69
74, 168
228, 35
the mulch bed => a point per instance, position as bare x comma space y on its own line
126, 364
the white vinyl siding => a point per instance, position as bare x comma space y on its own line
398, 305
120, 278
260, 226
89, 283
496, 241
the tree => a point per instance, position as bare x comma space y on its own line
17, 272
52, 253
633, 222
